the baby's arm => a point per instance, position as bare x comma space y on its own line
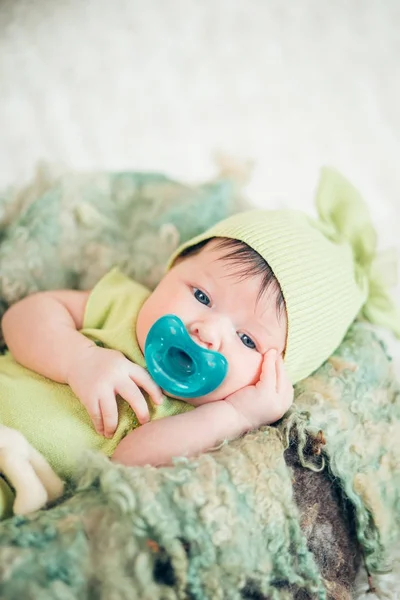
42, 334
206, 426
187, 434
41, 331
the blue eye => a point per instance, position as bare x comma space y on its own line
247, 341
201, 297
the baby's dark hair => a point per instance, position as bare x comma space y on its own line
250, 264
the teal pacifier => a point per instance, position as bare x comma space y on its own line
179, 365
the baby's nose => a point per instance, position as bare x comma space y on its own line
206, 335
210, 333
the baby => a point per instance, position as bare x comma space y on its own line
272, 291
230, 302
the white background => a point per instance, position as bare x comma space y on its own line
165, 84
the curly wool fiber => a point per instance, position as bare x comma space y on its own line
224, 525
199, 529
355, 400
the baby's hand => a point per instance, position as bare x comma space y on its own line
269, 399
98, 375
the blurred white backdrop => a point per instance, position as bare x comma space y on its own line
164, 84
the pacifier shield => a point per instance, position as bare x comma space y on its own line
177, 364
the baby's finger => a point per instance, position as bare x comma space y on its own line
109, 413
97, 418
268, 373
281, 377
142, 378
130, 392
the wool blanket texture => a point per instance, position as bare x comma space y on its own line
288, 511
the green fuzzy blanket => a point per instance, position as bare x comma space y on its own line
237, 522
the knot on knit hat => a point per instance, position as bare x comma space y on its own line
344, 218
327, 268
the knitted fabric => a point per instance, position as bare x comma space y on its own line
323, 268
225, 524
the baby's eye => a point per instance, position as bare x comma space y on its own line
247, 341
201, 297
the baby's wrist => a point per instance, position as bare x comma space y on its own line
223, 420
237, 420
248, 418
77, 361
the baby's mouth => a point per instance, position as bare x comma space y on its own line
183, 363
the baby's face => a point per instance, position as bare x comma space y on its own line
221, 312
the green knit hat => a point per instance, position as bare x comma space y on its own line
326, 269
